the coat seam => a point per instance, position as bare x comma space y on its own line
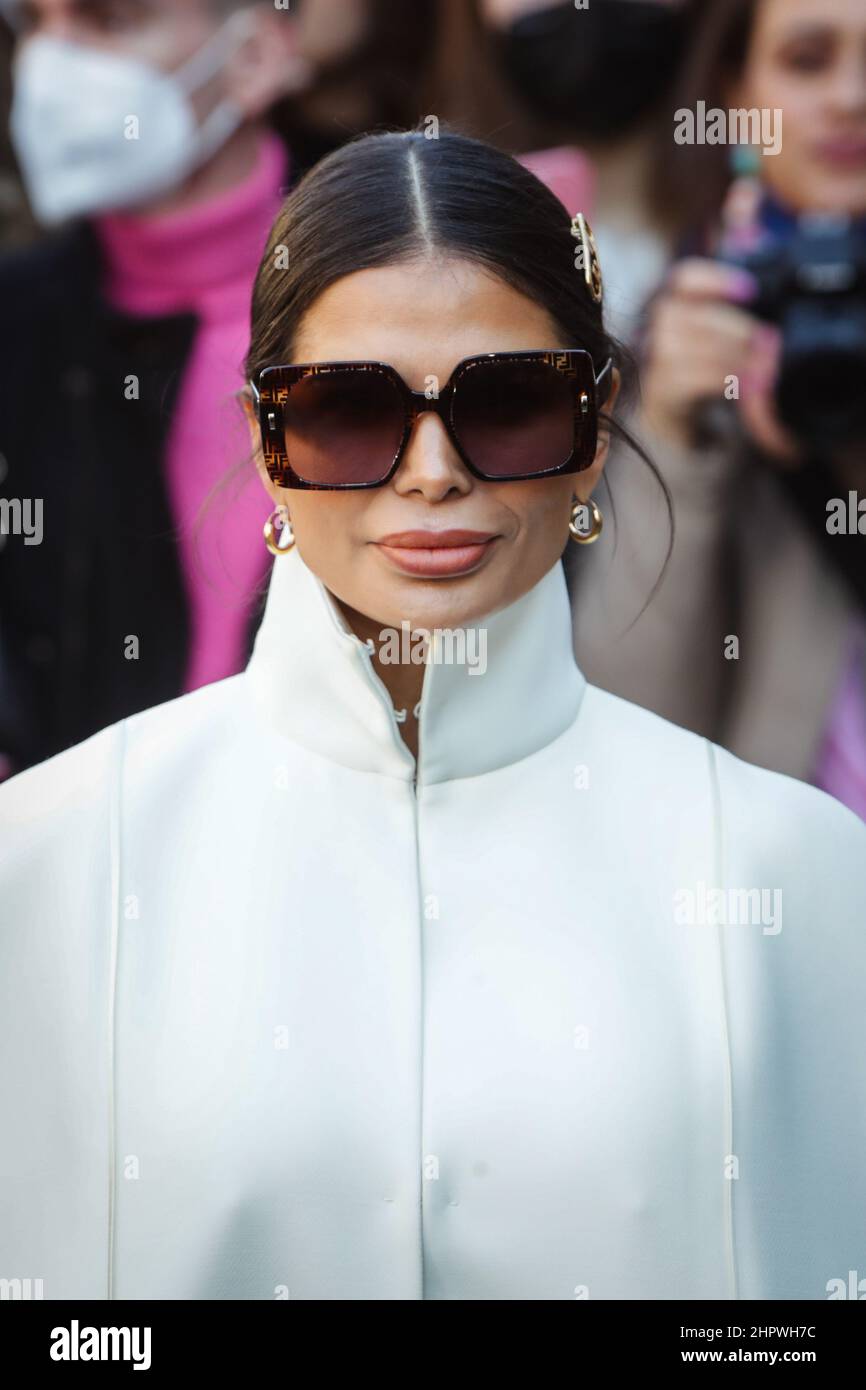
114, 849
719, 878
422, 942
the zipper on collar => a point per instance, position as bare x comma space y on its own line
384, 695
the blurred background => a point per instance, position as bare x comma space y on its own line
718, 148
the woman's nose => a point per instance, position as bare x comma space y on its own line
847, 91
430, 462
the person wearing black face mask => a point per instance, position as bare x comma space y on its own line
599, 73
597, 68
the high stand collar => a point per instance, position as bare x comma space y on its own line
313, 681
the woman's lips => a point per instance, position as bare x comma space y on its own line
436, 553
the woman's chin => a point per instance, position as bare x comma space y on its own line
458, 603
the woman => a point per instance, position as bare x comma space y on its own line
352, 977
757, 636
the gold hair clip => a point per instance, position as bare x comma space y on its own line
586, 257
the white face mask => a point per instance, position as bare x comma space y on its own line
95, 130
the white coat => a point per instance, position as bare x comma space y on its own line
577, 1012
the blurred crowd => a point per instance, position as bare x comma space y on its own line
718, 148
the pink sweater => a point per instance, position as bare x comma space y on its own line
203, 259
841, 768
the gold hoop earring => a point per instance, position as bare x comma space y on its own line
279, 523
585, 537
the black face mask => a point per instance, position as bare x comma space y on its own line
597, 69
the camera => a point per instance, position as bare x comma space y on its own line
812, 284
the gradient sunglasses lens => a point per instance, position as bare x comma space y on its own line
343, 426
514, 417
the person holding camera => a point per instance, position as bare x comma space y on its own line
747, 625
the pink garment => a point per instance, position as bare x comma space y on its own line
841, 767
203, 259
567, 173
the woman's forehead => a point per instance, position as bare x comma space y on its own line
421, 314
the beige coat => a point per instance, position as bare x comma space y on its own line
742, 566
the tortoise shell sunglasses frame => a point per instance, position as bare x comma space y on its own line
588, 392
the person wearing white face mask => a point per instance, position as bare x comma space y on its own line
97, 130
146, 152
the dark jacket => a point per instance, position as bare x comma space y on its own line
108, 566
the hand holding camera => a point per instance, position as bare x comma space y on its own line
704, 344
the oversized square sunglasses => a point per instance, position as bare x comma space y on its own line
509, 416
